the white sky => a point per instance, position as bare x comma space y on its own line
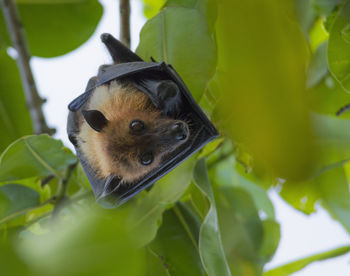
62, 79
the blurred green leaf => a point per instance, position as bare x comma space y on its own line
35, 184
325, 7
37, 155
318, 35
339, 46
210, 147
180, 37
48, 1
328, 97
295, 266
14, 116
78, 181
318, 67
176, 243
328, 23
261, 65
207, 7
154, 265
305, 14
67, 24
17, 198
152, 7
231, 174
241, 229
332, 140
199, 201
335, 192
272, 235
11, 262
145, 216
210, 244
330, 188
97, 243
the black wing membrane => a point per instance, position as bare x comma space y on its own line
119, 52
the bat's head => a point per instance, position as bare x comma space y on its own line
126, 135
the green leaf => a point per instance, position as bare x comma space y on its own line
11, 262
180, 37
207, 7
152, 7
154, 264
94, 243
17, 198
305, 15
15, 119
241, 229
335, 193
295, 266
35, 184
262, 83
210, 244
330, 187
339, 47
56, 28
78, 181
176, 243
326, 7
332, 140
37, 155
328, 97
318, 67
145, 216
231, 173
199, 201
272, 236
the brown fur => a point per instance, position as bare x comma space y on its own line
116, 151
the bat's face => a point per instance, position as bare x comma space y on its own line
130, 137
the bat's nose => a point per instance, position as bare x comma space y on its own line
179, 130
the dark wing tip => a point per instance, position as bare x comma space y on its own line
105, 37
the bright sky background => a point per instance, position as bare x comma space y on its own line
62, 79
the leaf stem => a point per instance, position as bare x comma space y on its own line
33, 100
185, 226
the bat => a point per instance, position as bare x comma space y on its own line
135, 122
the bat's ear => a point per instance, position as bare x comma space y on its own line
167, 90
169, 97
119, 52
95, 119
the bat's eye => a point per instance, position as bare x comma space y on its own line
146, 158
137, 126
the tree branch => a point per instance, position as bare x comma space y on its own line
33, 100
124, 8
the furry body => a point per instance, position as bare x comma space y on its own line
119, 150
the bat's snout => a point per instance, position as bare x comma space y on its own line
179, 131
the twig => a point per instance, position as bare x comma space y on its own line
33, 100
124, 9
343, 110
60, 197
